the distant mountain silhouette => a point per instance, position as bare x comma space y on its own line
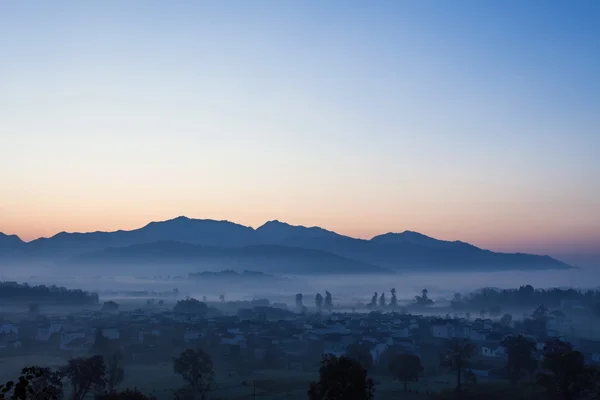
266, 258
10, 242
292, 247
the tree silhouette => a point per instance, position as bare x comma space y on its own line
328, 301
110, 306
382, 300
406, 368
299, 301
115, 372
456, 359
341, 379
423, 300
101, 344
196, 369
34, 383
319, 301
190, 306
360, 352
393, 299
374, 300
520, 356
86, 374
566, 373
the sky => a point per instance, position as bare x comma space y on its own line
470, 120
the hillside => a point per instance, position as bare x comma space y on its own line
291, 245
263, 258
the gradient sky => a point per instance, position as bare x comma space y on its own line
471, 120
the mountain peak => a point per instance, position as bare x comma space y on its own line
10, 240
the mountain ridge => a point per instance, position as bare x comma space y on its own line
402, 251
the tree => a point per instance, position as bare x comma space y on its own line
456, 359
319, 301
566, 374
360, 352
115, 371
406, 368
101, 344
34, 383
86, 374
382, 300
190, 306
110, 306
506, 320
393, 299
520, 356
222, 298
299, 303
196, 369
374, 300
341, 379
328, 302
423, 300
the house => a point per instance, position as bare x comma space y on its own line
192, 335
378, 350
76, 340
445, 331
493, 351
8, 328
237, 340
477, 335
44, 333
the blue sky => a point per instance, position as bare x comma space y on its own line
472, 120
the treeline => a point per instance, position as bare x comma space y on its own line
561, 374
14, 292
527, 296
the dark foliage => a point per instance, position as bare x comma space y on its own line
360, 352
520, 356
110, 306
319, 301
341, 379
406, 368
34, 383
566, 376
86, 375
423, 300
42, 294
457, 359
190, 306
328, 301
196, 370
527, 296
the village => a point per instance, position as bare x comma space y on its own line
273, 336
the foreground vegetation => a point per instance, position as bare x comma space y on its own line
562, 374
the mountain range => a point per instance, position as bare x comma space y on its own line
274, 247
